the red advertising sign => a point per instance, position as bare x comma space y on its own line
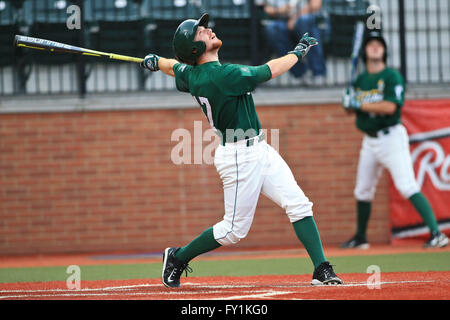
428, 126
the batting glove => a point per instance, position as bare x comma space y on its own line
150, 62
302, 48
349, 100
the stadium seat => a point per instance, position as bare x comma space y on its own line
162, 18
124, 38
47, 19
112, 10
115, 26
170, 9
56, 32
231, 22
227, 8
7, 50
46, 11
236, 37
8, 13
9, 27
346, 7
11, 18
343, 17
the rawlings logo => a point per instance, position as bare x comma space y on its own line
433, 158
45, 42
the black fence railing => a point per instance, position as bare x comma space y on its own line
417, 33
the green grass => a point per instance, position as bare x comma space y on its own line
430, 261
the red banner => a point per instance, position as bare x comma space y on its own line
428, 126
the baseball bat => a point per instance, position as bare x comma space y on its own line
53, 46
357, 42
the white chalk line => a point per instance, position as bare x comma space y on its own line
257, 296
128, 290
307, 284
122, 288
263, 292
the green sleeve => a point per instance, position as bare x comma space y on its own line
238, 79
181, 71
394, 90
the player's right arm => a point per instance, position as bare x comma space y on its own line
281, 65
166, 66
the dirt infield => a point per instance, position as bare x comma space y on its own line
431, 285
396, 285
40, 260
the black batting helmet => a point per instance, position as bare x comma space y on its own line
373, 35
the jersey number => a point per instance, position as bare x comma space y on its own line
204, 102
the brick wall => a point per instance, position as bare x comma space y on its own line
100, 181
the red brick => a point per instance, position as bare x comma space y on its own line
105, 181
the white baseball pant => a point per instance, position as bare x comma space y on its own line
389, 151
245, 173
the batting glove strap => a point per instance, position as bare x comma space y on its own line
355, 104
302, 48
150, 62
349, 101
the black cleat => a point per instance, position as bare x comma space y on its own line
355, 243
437, 240
324, 275
173, 268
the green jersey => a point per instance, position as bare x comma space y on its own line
224, 94
387, 85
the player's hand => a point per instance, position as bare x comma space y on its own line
150, 62
349, 101
302, 48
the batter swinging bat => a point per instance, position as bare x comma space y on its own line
53, 46
357, 41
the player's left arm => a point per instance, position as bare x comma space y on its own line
351, 103
393, 98
154, 63
382, 107
281, 65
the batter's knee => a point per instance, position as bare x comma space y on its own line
299, 211
364, 194
229, 239
408, 190
228, 234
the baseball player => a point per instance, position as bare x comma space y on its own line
246, 164
376, 98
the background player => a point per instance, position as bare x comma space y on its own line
246, 164
377, 98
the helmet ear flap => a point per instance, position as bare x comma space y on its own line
198, 48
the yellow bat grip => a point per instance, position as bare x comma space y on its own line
112, 56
